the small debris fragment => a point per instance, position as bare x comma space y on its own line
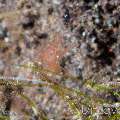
28, 22
3, 32
66, 16
18, 50
50, 11
42, 35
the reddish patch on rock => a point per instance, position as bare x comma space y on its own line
50, 54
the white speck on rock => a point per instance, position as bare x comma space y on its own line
7, 39
57, 2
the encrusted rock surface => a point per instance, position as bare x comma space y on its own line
79, 38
